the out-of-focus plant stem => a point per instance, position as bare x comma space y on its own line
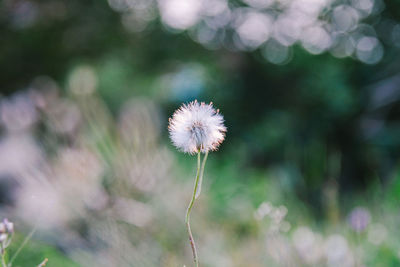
3, 260
27, 238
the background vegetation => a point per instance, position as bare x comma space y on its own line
309, 169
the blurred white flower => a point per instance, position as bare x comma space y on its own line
197, 127
265, 209
3, 237
19, 153
9, 226
308, 245
180, 14
39, 204
6, 234
18, 113
377, 234
337, 251
279, 249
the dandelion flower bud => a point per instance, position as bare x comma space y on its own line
197, 127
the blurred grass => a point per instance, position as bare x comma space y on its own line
34, 252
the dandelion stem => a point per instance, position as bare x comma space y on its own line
187, 220
198, 191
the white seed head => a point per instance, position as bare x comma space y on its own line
197, 127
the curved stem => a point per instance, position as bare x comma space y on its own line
187, 219
193, 245
198, 191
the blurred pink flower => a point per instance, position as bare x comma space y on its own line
359, 219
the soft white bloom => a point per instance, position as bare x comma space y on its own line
6, 227
3, 237
197, 127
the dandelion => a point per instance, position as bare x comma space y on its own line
196, 128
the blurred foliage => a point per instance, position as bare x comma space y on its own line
307, 111
35, 252
316, 133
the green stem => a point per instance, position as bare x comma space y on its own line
27, 238
3, 260
198, 191
187, 219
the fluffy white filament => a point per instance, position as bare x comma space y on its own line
197, 127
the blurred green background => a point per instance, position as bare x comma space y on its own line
310, 92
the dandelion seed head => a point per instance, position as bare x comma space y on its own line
197, 127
